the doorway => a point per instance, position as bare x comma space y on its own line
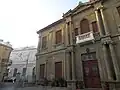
91, 71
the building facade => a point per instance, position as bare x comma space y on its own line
23, 62
5, 50
83, 46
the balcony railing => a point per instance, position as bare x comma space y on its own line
84, 37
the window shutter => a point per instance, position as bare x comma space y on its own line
44, 42
58, 36
95, 26
84, 24
58, 69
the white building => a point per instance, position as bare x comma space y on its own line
23, 62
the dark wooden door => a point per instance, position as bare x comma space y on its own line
58, 69
91, 74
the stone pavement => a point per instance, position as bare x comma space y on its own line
10, 86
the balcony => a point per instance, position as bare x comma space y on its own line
84, 37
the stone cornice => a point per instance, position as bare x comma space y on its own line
51, 25
87, 4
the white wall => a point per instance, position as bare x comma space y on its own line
19, 60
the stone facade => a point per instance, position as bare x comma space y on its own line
82, 54
5, 50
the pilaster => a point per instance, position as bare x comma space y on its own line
115, 62
104, 20
99, 22
105, 53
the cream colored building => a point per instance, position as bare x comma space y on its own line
5, 50
83, 46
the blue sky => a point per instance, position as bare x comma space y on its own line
20, 19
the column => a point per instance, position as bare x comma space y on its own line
104, 21
39, 44
66, 35
46, 68
64, 66
99, 22
73, 65
70, 31
37, 68
107, 63
68, 65
114, 60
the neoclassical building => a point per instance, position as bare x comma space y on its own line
83, 46
5, 50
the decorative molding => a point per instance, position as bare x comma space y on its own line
107, 40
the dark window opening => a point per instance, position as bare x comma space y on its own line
76, 32
94, 26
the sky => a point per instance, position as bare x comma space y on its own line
21, 19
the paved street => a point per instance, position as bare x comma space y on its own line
10, 86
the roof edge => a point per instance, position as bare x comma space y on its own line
51, 25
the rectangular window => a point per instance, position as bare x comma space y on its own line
59, 37
76, 32
95, 26
118, 8
44, 42
24, 72
15, 72
42, 70
58, 69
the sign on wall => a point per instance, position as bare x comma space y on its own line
84, 37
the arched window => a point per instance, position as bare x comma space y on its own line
84, 24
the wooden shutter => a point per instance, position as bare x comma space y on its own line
95, 26
44, 42
42, 70
58, 69
58, 36
84, 24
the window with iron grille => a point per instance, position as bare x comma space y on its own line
44, 42
59, 37
95, 26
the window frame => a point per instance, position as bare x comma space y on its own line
58, 36
76, 29
118, 10
44, 42
96, 27
84, 24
